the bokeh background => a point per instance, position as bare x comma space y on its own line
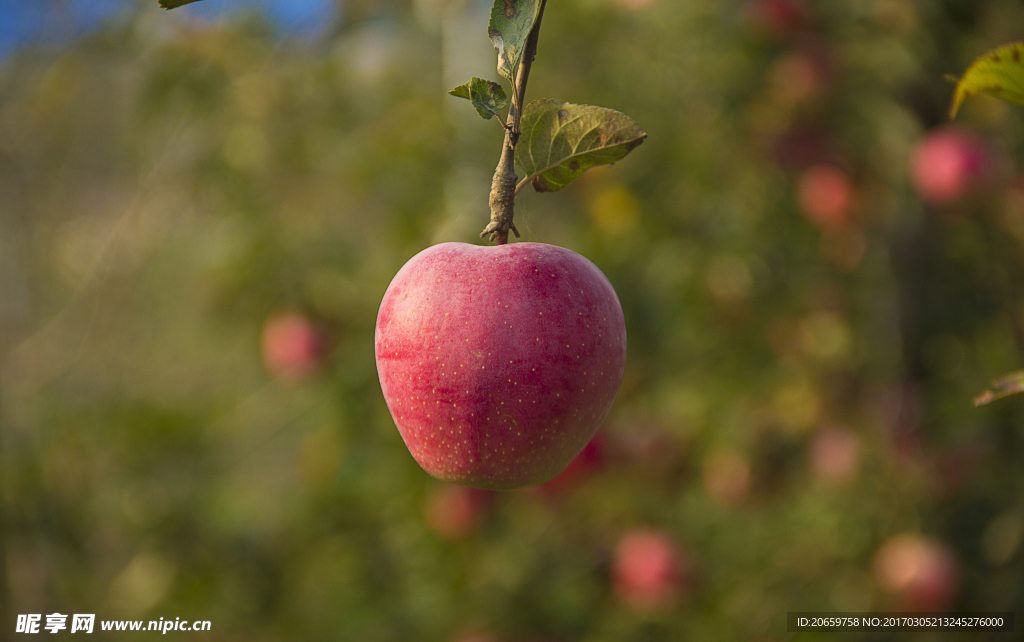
201, 209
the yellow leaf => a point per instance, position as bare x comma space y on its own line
999, 72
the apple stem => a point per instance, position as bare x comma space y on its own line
503, 185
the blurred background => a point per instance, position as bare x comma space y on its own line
200, 211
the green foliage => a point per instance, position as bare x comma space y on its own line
508, 29
797, 390
560, 141
999, 72
487, 96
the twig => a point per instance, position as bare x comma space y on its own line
503, 185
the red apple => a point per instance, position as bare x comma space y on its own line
919, 571
589, 460
648, 571
947, 163
291, 346
825, 195
499, 363
453, 512
835, 456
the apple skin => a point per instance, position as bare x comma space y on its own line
453, 512
834, 454
825, 195
921, 572
947, 163
499, 363
291, 346
648, 571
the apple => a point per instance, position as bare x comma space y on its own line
453, 512
499, 363
919, 571
825, 196
835, 456
647, 569
947, 163
589, 460
291, 346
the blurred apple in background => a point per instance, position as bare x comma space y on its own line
453, 512
590, 460
947, 163
291, 346
825, 195
835, 455
648, 570
920, 572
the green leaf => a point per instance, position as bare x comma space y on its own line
1004, 386
172, 4
508, 28
1000, 72
560, 141
486, 95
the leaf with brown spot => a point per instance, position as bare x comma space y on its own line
999, 72
486, 95
1004, 386
560, 141
508, 29
173, 4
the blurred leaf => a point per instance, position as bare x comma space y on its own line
508, 28
173, 4
560, 141
999, 72
1004, 386
486, 95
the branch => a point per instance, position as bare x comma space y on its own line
503, 185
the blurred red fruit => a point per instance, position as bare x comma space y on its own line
825, 196
947, 163
453, 512
921, 572
590, 459
777, 17
834, 455
648, 571
291, 346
